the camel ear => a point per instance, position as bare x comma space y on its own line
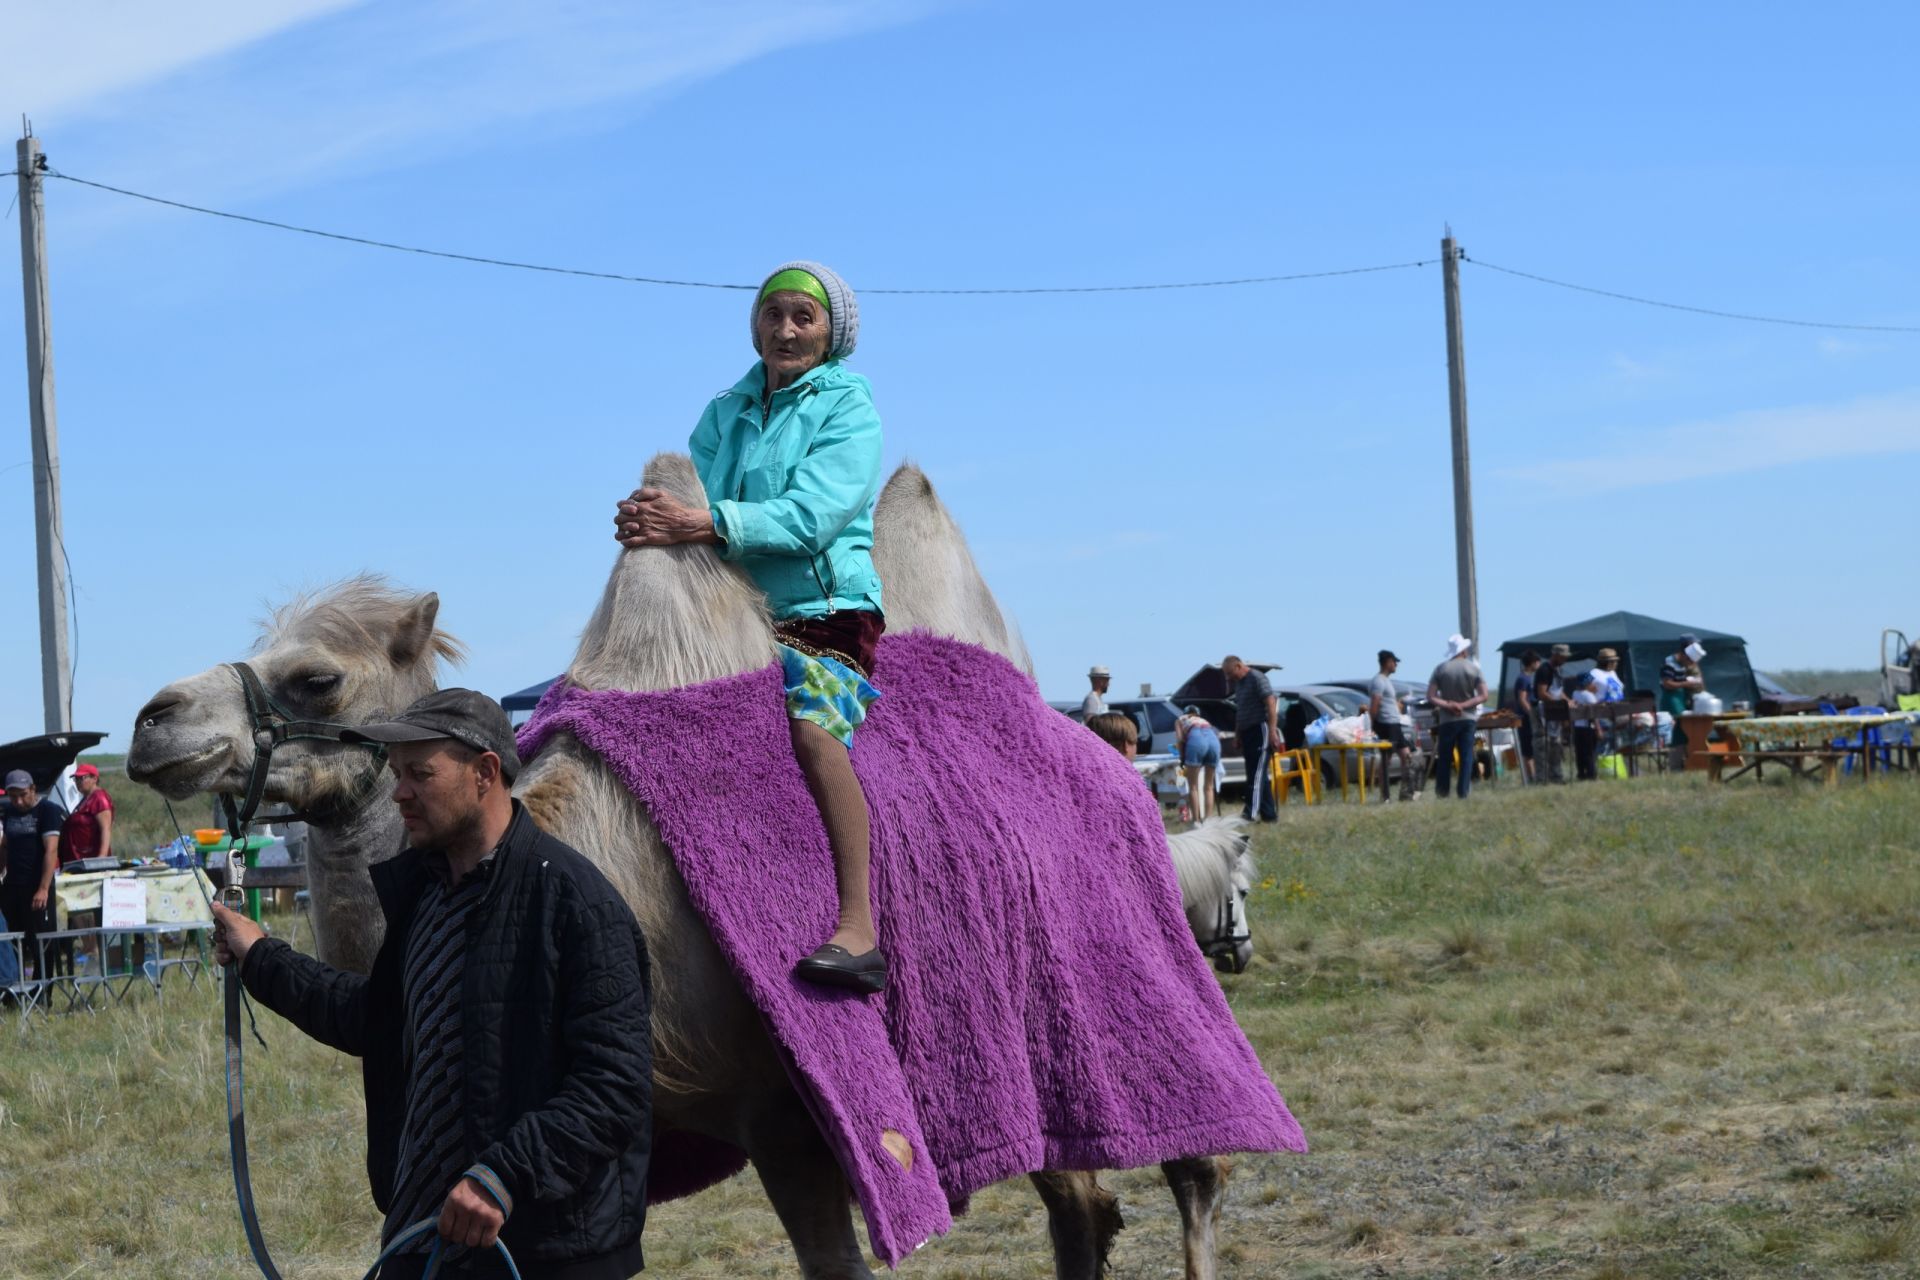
413, 636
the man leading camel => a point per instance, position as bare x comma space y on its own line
504, 1031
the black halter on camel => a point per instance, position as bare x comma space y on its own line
272, 726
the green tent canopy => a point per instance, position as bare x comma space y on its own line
1643, 644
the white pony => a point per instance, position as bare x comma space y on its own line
1215, 864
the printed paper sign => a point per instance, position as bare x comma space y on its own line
123, 904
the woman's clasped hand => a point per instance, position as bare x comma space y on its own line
655, 518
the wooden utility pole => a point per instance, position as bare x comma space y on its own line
1450, 255
56, 675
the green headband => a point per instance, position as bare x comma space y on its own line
795, 280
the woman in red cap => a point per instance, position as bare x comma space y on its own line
89, 829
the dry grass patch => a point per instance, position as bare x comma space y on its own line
1651, 1030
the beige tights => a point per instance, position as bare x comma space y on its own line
843, 810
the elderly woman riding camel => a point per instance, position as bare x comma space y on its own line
790, 458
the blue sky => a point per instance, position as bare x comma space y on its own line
1149, 479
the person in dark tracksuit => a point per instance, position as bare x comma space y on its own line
505, 1030
1256, 722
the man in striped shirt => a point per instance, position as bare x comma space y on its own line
504, 1030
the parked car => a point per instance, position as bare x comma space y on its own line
1899, 668
1206, 689
1152, 756
1154, 717
1303, 704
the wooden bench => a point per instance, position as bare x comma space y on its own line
1801, 762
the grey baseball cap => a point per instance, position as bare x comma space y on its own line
18, 779
469, 718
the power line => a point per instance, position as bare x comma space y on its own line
1702, 311
397, 248
482, 260
1185, 284
707, 284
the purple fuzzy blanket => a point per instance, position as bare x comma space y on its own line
1048, 1006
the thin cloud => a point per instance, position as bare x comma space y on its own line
241, 107
69, 56
1757, 440
1628, 369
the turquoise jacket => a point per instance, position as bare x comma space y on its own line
792, 497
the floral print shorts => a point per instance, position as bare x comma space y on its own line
827, 692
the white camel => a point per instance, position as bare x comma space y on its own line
669, 617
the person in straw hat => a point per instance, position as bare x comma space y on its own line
1095, 702
1456, 689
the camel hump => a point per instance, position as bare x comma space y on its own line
909, 496
674, 473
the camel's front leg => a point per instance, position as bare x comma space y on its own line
808, 1191
1200, 1189
1083, 1217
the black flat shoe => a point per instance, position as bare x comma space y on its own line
834, 966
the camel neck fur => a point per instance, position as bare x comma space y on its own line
347, 923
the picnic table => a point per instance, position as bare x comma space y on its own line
1359, 750
176, 903
1698, 726
1805, 745
173, 896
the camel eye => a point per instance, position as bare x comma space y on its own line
320, 683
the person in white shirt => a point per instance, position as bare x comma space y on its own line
1390, 726
1606, 677
1095, 703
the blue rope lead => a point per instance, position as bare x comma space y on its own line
413, 1234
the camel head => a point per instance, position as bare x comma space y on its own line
358, 652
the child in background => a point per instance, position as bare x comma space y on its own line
1117, 730
1588, 692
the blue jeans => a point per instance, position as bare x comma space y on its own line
1203, 748
9, 959
1449, 737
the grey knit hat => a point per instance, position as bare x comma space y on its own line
843, 310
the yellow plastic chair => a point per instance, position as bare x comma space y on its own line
1286, 767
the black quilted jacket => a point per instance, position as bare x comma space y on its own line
558, 1057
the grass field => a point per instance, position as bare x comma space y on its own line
1629, 1029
